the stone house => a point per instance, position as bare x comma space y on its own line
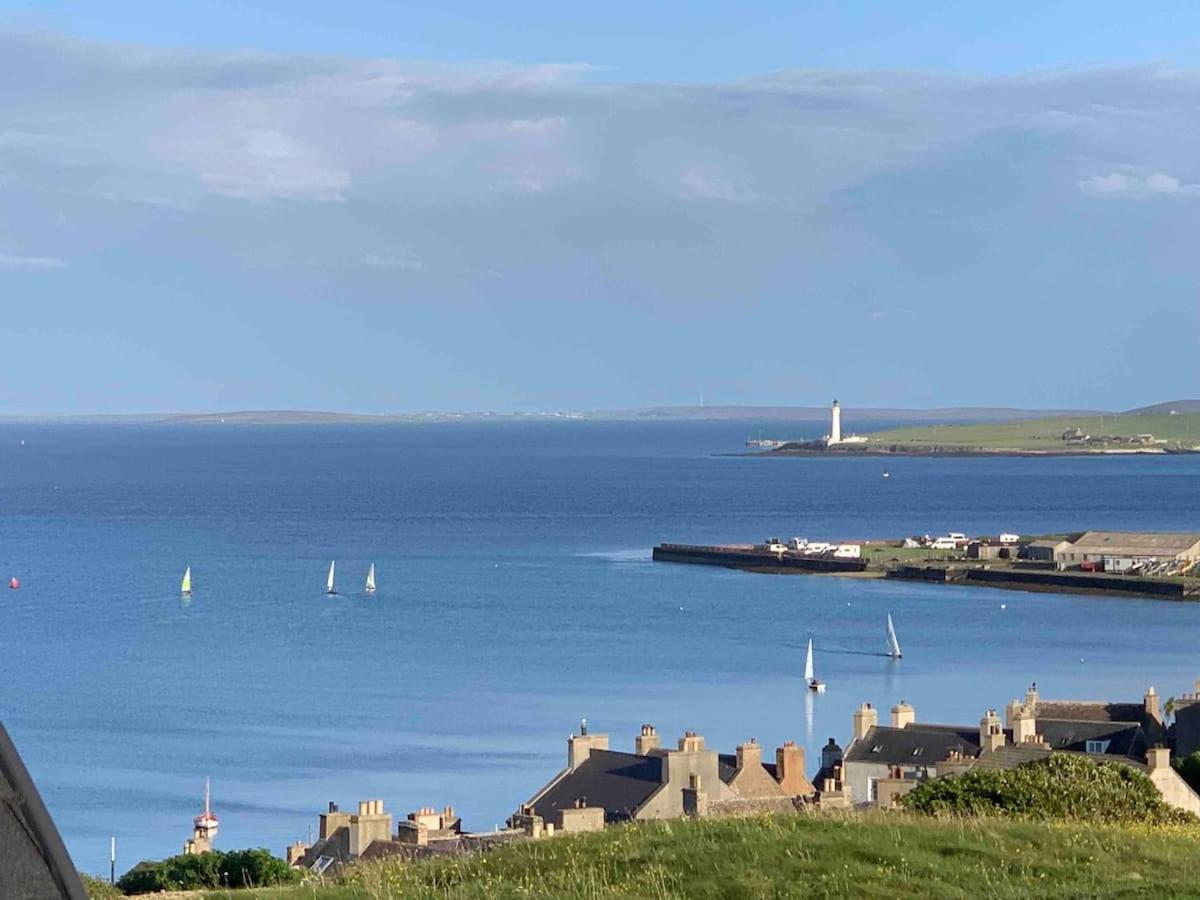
883, 762
601, 786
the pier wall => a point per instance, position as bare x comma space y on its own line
755, 559
1081, 581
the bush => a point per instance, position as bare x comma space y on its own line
235, 869
1189, 769
99, 888
1059, 787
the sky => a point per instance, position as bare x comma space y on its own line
397, 207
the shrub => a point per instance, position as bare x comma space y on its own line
235, 869
1189, 769
1059, 787
99, 888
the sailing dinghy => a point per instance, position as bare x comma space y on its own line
813, 684
371, 579
329, 588
893, 644
185, 587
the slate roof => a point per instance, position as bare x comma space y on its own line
1135, 543
619, 782
727, 767
336, 847
916, 745
1090, 711
1010, 755
1125, 739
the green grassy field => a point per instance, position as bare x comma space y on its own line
875, 855
1044, 434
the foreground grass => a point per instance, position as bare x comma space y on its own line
875, 855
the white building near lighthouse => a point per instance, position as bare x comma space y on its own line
835, 430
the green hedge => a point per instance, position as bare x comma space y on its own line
235, 869
1059, 787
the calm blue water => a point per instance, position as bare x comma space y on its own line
516, 595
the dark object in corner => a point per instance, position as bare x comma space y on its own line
34, 863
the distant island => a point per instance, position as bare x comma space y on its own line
958, 429
1159, 429
749, 414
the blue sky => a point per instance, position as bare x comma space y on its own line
394, 207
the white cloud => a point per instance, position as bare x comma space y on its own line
706, 184
9, 262
392, 262
1155, 184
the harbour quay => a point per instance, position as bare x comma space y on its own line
1149, 564
755, 559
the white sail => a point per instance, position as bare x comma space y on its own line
371, 579
808, 663
329, 581
893, 644
185, 586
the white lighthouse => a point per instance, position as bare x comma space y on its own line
835, 426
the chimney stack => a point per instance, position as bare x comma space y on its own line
1024, 726
1150, 702
865, 718
646, 741
991, 735
749, 755
580, 746
789, 770
1158, 758
831, 754
691, 742
903, 715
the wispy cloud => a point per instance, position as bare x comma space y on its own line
1121, 184
392, 262
10, 262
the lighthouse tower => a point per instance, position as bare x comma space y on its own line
835, 427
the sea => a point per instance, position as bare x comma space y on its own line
516, 598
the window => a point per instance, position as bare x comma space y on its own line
872, 789
878, 748
1097, 746
918, 751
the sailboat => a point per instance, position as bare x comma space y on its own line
813, 684
893, 644
206, 823
185, 587
371, 579
329, 588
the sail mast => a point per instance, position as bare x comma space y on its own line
808, 662
893, 644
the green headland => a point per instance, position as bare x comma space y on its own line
1109, 433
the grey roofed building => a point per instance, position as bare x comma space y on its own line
884, 762
601, 786
1108, 738
1137, 544
34, 863
913, 745
621, 783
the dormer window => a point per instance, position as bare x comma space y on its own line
1097, 746
918, 751
878, 748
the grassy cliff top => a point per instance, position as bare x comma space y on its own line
1045, 434
873, 855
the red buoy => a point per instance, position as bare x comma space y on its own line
13, 584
